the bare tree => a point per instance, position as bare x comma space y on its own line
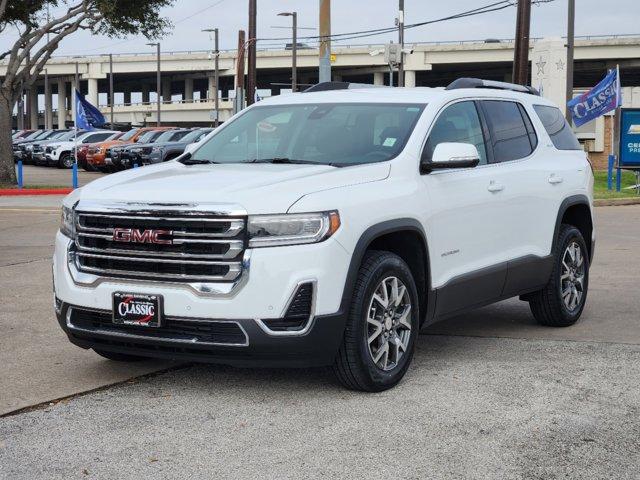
41, 34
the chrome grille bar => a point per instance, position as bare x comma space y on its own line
204, 246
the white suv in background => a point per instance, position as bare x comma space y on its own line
327, 227
61, 153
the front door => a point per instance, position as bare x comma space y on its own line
466, 245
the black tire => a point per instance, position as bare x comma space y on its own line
354, 365
119, 357
547, 305
65, 160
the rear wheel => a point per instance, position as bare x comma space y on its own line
561, 301
382, 327
119, 357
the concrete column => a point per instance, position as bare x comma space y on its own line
48, 104
549, 69
410, 78
211, 90
145, 93
378, 78
92, 94
188, 89
62, 102
33, 107
127, 96
166, 89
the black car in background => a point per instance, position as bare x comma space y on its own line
138, 153
163, 152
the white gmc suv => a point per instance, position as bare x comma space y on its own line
327, 227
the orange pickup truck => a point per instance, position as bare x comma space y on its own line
98, 153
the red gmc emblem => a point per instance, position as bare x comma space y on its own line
133, 235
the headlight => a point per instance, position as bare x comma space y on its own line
292, 229
156, 149
67, 223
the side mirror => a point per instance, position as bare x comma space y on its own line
451, 155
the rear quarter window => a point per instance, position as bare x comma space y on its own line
557, 127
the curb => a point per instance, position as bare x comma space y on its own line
14, 192
613, 202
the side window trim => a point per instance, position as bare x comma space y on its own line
486, 132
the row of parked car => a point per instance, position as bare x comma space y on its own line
104, 150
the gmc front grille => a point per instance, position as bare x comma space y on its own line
188, 248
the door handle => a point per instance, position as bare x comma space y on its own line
495, 187
554, 179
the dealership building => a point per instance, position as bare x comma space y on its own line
188, 86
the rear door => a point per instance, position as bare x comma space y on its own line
528, 209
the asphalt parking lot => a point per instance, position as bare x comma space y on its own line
39, 176
489, 395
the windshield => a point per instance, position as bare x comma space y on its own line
129, 134
330, 134
195, 136
67, 135
147, 136
167, 136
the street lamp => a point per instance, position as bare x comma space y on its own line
216, 54
158, 80
294, 48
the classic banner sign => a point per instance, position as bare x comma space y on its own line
602, 98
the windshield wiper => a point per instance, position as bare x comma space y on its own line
187, 160
285, 160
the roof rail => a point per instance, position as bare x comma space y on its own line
326, 86
479, 83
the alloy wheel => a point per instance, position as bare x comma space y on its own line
389, 323
572, 276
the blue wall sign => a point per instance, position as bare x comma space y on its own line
630, 137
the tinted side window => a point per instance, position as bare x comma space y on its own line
510, 138
458, 123
557, 128
97, 137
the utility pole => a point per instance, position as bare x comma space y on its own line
571, 21
239, 100
111, 94
48, 113
158, 81
294, 48
521, 47
216, 73
324, 73
401, 42
251, 54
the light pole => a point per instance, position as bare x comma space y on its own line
401, 42
111, 94
294, 48
158, 81
570, 44
216, 74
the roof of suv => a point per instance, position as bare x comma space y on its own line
357, 93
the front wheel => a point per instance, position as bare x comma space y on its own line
65, 161
561, 301
382, 326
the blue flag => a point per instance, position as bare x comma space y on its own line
604, 97
87, 116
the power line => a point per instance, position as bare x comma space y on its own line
492, 7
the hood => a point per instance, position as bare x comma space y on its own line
111, 143
258, 188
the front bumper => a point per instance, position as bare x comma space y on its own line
318, 347
263, 293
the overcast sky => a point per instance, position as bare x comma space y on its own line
593, 17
